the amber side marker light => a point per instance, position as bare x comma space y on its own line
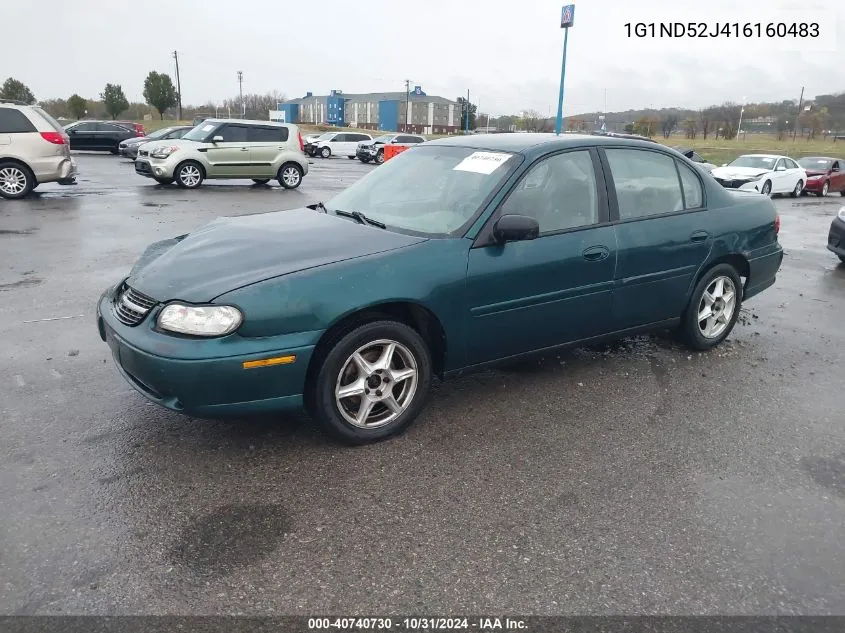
269, 362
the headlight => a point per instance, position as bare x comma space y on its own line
164, 152
816, 177
841, 214
200, 320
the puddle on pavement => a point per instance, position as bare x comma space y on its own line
17, 231
230, 537
23, 283
827, 472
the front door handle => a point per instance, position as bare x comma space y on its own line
699, 236
244, 149
596, 253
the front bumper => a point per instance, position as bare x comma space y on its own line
741, 184
814, 185
836, 237
154, 168
129, 151
206, 377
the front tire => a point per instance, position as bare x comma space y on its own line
326, 152
798, 188
713, 308
380, 157
767, 188
825, 189
16, 181
189, 174
290, 175
372, 383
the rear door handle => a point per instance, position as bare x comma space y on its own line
596, 253
699, 236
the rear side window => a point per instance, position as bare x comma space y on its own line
14, 122
646, 183
268, 134
693, 194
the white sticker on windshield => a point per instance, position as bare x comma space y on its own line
208, 128
482, 162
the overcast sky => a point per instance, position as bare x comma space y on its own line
506, 52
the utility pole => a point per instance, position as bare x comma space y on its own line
466, 127
178, 84
407, 103
241, 92
800, 105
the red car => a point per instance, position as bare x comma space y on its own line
824, 174
139, 129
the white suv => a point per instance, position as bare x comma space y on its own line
336, 144
34, 149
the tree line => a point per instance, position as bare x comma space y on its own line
160, 97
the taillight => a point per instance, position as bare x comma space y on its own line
301, 143
56, 138
777, 223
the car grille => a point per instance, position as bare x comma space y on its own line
731, 184
130, 306
143, 152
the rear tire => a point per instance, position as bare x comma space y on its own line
799, 187
189, 174
290, 175
713, 308
16, 180
393, 384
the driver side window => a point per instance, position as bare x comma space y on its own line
559, 192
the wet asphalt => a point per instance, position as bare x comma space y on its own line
633, 478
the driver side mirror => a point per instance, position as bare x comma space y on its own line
217, 139
515, 228
780, 168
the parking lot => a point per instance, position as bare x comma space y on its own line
632, 478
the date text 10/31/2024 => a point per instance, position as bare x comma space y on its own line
722, 29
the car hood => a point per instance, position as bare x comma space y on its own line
230, 253
738, 172
816, 172
369, 143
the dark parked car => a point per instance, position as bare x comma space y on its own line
824, 174
101, 136
137, 127
695, 157
461, 254
836, 237
129, 147
374, 150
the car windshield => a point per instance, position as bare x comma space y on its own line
757, 162
433, 190
385, 138
820, 164
200, 132
159, 133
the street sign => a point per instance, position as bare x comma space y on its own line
567, 17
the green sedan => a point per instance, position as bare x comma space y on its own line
456, 255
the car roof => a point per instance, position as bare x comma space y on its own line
247, 122
820, 158
522, 143
766, 155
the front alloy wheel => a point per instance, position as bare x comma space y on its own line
189, 175
767, 188
799, 186
372, 383
825, 189
15, 182
325, 152
380, 157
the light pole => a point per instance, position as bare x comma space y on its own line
741, 112
241, 92
567, 19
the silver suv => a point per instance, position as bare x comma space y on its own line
34, 149
227, 148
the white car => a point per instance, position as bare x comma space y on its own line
336, 144
764, 173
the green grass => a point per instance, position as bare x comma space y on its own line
724, 151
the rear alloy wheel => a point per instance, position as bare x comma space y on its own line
825, 189
326, 152
767, 188
713, 308
16, 181
260, 181
290, 176
798, 188
189, 175
372, 383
